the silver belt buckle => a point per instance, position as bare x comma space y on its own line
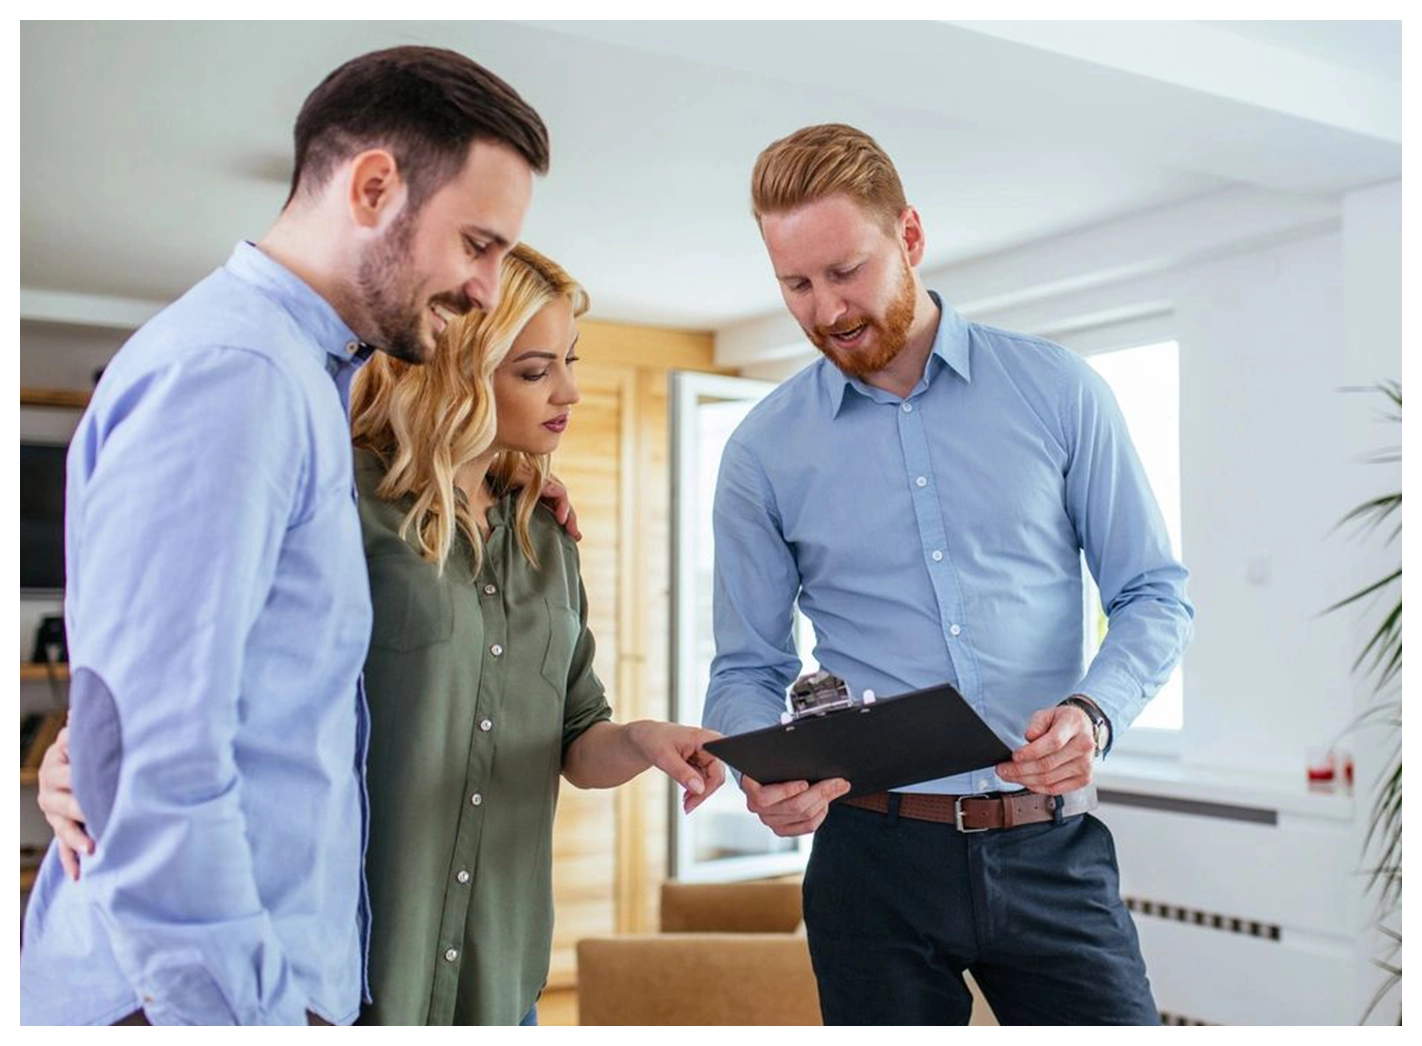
958, 812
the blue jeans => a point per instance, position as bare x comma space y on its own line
897, 909
530, 1019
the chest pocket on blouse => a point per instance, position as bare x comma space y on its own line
563, 630
412, 606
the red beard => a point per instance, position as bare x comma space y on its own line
890, 335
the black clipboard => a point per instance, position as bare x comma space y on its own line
894, 742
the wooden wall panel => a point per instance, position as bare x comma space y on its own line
584, 834
653, 792
610, 848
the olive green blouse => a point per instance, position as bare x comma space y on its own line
476, 685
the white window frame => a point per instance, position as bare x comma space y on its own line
688, 389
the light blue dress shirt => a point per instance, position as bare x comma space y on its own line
939, 538
218, 615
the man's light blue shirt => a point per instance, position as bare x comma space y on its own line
218, 614
939, 537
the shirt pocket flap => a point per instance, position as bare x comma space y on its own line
564, 626
412, 606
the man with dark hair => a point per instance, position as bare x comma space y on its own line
218, 608
974, 468
423, 104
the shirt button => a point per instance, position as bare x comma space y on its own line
953, 630
476, 799
352, 347
451, 954
496, 650
937, 555
922, 481
463, 876
489, 590
908, 408
486, 725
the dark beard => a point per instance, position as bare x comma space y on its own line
892, 334
394, 313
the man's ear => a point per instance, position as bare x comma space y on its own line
911, 235
376, 190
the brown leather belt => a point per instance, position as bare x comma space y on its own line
980, 813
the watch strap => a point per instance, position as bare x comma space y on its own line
1101, 733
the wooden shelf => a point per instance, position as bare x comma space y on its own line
30, 859
45, 731
75, 399
31, 671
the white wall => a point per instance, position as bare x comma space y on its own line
1264, 475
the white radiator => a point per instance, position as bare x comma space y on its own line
1245, 913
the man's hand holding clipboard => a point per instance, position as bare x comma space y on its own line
832, 745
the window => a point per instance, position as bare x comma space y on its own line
724, 841
1146, 382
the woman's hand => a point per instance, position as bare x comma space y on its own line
677, 751
555, 496
60, 808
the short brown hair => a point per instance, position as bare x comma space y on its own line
425, 104
820, 161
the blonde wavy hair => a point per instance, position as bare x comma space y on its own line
427, 421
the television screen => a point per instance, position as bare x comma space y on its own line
42, 515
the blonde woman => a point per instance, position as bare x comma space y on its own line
479, 674
479, 677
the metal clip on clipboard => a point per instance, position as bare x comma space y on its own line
819, 694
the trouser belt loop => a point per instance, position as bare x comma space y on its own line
1057, 804
893, 812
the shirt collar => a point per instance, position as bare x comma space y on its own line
313, 313
950, 349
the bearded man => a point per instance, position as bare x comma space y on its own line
925, 492
218, 608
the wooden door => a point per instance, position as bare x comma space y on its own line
610, 847
595, 463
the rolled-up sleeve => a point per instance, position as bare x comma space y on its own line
586, 702
176, 562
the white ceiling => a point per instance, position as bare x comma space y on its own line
148, 149
1365, 47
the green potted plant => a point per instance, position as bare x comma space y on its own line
1381, 661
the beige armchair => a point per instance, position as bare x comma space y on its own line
729, 953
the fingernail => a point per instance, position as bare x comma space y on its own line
696, 785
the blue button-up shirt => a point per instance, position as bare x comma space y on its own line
218, 615
939, 538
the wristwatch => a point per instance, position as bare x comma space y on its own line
1100, 725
